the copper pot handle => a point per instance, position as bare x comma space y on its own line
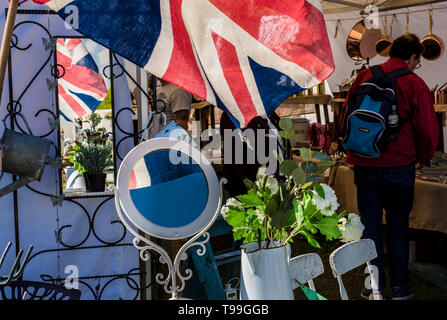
430, 14
407, 27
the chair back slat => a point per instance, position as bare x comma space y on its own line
305, 267
352, 255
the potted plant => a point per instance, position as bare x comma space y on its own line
92, 154
273, 212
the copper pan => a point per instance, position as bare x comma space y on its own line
361, 41
433, 45
383, 45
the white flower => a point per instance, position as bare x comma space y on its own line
233, 202
230, 202
261, 172
327, 205
224, 210
272, 184
260, 214
351, 228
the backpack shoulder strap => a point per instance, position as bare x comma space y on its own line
399, 72
377, 71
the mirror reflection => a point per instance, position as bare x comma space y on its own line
85, 115
167, 194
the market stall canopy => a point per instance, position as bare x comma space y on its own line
343, 6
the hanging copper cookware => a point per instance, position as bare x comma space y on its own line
383, 45
361, 41
433, 45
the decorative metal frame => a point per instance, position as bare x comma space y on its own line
14, 108
126, 212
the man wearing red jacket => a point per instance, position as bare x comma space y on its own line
387, 182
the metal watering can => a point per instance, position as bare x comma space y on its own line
22, 155
270, 274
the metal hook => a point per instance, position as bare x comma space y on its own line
337, 28
408, 21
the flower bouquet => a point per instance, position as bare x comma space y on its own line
272, 213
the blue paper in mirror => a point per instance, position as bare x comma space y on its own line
173, 195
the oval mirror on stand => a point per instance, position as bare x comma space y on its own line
168, 189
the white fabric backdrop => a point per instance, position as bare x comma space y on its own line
433, 72
38, 218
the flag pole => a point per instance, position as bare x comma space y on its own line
6, 42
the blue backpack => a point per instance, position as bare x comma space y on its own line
372, 121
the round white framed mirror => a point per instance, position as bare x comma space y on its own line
167, 188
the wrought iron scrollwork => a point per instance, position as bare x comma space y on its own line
14, 110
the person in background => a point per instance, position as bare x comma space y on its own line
387, 182
178, 103
236, 173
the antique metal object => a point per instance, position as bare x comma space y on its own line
433, 44
23, 155
361, 41
383, 45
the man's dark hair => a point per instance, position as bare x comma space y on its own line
405, 46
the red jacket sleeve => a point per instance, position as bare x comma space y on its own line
425, 124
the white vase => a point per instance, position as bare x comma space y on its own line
74, 179
265, 273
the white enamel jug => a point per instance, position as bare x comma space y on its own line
270, 274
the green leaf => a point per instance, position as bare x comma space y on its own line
271, 207
298, 210
235, 218
239, 233
299, 176
285, 123
309, 167
279, 220
323, 166
249, 184
287, 134
291, 217
319, 189
310, 239
321, 156
308, 206
314, 178
251, 199
306, 185
329, 228
287, 167
305, 153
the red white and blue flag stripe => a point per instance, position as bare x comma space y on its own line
81, 88
245, 57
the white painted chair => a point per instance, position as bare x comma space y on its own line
305, 268
349, 257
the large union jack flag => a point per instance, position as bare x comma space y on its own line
81, 88
244, 56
